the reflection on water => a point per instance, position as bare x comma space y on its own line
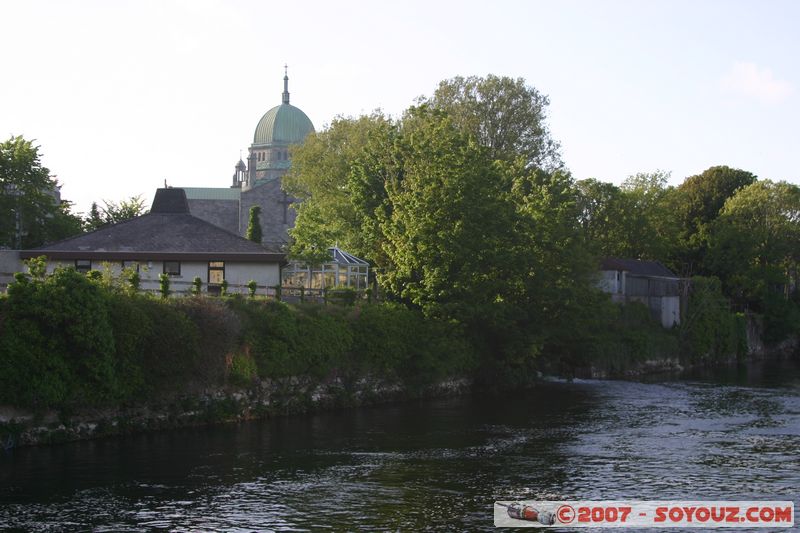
435, 464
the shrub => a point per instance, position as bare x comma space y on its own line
197, 285
345, 296
63, 324
133, 279
37, 267
163, 285
270, 328
243, 369
217, 329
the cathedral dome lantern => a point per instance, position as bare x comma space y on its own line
279, 128
283, 124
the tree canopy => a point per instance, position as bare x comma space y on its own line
464, 210
30, 211
114, 213
754, 244
503, 114
321, 177
462, 227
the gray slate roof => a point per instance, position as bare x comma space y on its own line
170, 201
168, 231
638, 267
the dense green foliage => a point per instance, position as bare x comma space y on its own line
710, 330
493, 245
502, 114
68, 340
463, 212
615, 340
385, 340
29, 213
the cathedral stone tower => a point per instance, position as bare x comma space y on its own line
259, 181
280, 127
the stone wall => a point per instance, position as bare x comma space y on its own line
270, 197
222, 213
266, 399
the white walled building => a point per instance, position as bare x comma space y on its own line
648, 282
169, 240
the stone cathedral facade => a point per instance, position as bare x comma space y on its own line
258, 182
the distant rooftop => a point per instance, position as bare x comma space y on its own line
212, 193
170, 201
168, 229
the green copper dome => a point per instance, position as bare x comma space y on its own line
283, 124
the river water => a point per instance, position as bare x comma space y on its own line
435, 465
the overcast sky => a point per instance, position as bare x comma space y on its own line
123, 95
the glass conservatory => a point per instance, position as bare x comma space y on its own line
344, 270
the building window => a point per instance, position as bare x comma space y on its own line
131, 264
172, 268
216, 272
83, 265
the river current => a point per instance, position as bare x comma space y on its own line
429, 465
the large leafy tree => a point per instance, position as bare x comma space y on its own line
603, 218
701, 197
636, 220
553, 269
754, 244
649, 203
491, 243
461, 215
444, 223
503, 114
336, 203
30, 212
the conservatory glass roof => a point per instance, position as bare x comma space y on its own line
344, 258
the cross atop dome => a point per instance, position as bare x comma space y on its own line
285, 84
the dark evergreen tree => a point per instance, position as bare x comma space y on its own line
254, 224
